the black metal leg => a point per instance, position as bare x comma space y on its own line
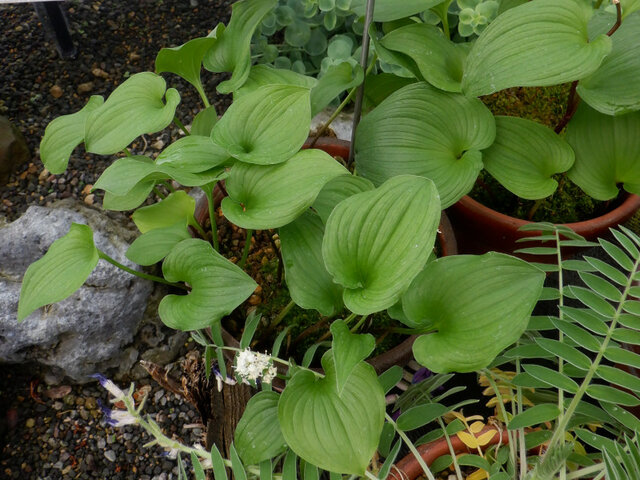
55, 22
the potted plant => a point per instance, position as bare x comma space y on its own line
438, 127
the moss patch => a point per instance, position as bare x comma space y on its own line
567, 205
545, 105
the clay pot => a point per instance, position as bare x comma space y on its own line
479, 229
400, 354
409, 469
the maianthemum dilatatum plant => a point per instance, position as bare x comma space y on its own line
557, 390
437, 126
352, 246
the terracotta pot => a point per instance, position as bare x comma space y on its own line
400, 354
409, 469
479, 229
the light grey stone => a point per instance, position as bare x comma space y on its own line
342, 126
89, 331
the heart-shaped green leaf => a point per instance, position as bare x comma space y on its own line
130, 200
524, 157
217, 286
185, 60
60, 272
517, 48
134, 108
440, 61
476, 305
336, 190
309, 283
125, 173
178, 206
153, 246
266, 126
258, 436
64, 134
270, 196
613, 88
376, 242
607, 152
204, 122
232, 51
389, 10
193, 154
420, 130
336, 432
336, 80
408, 66
262, 75
349, 349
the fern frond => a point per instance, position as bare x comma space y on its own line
622, 462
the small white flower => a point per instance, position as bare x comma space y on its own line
117, 418
270, 375
111, 387
172, 453
220, 380
120, 418
250, 366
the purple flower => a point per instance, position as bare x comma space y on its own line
117, 418
422, 374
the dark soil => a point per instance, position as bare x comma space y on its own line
60, 434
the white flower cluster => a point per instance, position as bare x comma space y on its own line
251, 366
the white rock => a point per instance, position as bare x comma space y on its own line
89, 331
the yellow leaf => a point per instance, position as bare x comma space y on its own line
459, 416
475, 417
468, 439
579, 449
475, 427
486, 437
594, 426
478, 475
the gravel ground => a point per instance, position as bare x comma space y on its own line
114, 39
59, 432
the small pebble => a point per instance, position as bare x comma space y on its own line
89, 199
56, 91
110, 455
98, 72
30, 423
84, 88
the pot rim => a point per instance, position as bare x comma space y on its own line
408, 467
614, 217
